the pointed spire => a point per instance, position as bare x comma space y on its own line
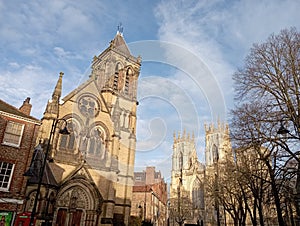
58, 87
53, 104
119, 43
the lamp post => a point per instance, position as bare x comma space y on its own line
143, 209
41, 173
283, 131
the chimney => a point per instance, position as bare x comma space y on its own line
150, 175
26, 107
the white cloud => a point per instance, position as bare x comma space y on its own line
13, 65
27, 81
221, 32
209, 39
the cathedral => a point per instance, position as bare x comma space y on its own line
187, 182
192, 201
89, 176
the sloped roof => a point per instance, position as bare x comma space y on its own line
119, 43
5, 107
142, 188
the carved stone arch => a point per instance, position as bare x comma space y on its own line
75, 197
75, 117
79, 194
105, 128
118, 66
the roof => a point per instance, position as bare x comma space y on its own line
142, 188
5, 107
119, 43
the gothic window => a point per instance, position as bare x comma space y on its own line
180, 161
198, 194
96, 142
68, 142
116, 76
215, 153
88, 106
128, 74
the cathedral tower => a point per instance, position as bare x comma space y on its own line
94, 164
187, 182
217, 143
217, 153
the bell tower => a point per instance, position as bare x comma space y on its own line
217, 143
187, 181
115, 72
217, 153
94, 163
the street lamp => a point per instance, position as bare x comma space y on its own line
283, 131
41, 172
143, 209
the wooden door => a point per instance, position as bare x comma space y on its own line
76, 218
61, 217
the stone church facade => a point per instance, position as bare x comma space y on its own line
217, 153
187, 183
192, 201
93, 166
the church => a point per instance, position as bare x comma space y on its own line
89, 172
192, 199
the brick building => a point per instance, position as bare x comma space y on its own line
18, 131
149, 200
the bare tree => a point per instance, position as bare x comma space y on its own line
268, 96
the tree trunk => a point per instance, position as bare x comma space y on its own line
275, 194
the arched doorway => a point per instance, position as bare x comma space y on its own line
78, 203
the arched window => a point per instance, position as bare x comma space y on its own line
198, 194
68, 142
215, 153
127, 79
116, 76
180, 161
96, 145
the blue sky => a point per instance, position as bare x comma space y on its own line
189, 49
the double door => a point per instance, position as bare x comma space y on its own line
65, 218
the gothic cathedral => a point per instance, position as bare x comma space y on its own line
187, 182
94, 164
193, 184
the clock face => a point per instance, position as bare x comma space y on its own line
88, 106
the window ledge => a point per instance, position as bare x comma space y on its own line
11, 145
